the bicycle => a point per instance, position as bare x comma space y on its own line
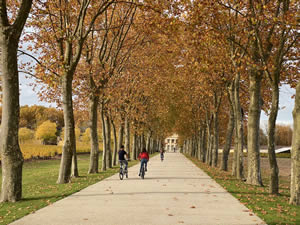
122, 171
143, 171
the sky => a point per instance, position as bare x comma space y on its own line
29, 97
286, 105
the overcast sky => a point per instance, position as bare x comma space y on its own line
29, 97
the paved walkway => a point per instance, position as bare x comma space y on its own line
173, 192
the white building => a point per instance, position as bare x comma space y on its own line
171, 143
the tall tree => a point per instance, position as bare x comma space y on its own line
63, 29
295, 157
11, 156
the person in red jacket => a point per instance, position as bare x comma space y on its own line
144, 158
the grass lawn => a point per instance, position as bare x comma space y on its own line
40, 188
272, 209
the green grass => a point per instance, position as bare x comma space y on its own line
265, 155
279, 155
271, 208
40, 188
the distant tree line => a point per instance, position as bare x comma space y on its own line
283, 135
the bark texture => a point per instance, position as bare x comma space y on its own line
239, 132
274, 179
148, 141
121, 136
93, 115
11, 155
127, 137
216, 140
208, 136
230, 129
114, 160
104, 153
295, 168
203, 144
254, 171
134, 146
69, 147
108, 142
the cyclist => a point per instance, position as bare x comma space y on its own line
144, 158
122, 158
162, 154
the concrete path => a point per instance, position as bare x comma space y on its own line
173, 192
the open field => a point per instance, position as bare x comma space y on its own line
35, 150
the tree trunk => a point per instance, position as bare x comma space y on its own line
104, 141
203, 145
295, 157
143, 144
94, 156
211, 149
207, 159
227, 146
115, 143
254, 172
235, 156
200, 144
274, 180
11, 155
108, 142
208, 145
239, 129
215, 154
153, 147
127, 136
69, 147
190, 147
134, 146
230, 129
75, 172
216, 141
194, 141
121, 135
148, 141
138, 145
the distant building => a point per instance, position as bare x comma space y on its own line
171, 143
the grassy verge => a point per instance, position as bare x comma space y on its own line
40, 188
272, 209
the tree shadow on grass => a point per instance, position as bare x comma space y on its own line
56, 197
257, 193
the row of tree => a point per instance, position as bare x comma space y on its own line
151, 67
235, 60
32, 117
100, 42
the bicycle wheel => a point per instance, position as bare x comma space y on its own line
143, 173
121, 175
